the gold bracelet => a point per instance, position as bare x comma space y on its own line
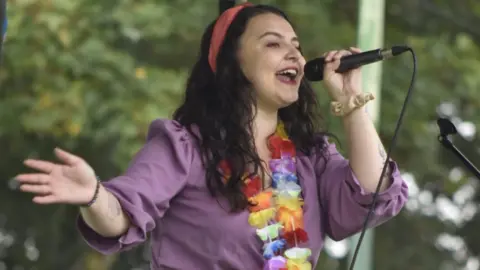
353, 103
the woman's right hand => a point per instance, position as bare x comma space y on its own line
72, 182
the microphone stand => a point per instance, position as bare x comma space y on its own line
447, 128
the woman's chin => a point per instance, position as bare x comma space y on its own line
288, 100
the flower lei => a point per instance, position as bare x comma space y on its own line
277, 213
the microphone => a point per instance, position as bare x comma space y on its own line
314, 68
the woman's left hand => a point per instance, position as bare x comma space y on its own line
341, 86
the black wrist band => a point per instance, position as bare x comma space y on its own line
95, 195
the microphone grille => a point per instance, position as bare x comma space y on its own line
314, 69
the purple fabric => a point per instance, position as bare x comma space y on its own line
164, 193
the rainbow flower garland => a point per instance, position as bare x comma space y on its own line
277, 213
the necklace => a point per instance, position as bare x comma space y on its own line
277, 213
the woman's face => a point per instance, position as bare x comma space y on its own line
269, 57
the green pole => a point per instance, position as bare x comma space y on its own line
370, 36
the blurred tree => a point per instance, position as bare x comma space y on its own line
90, 76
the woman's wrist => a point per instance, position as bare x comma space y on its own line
352, 120
95, 194
350, 104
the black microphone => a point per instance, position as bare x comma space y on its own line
314, 68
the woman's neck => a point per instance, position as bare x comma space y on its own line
264, 125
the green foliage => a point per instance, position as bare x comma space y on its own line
90, 76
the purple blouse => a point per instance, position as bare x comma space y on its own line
165, 194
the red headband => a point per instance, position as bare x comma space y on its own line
219, 31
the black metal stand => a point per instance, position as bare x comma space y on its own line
447, 128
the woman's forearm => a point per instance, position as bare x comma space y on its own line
366, 152
106, 216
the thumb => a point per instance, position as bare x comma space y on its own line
66, 157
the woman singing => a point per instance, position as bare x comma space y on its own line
242, 178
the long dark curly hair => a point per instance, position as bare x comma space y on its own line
219, 108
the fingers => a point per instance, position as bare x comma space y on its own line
33, 179
337, 54
332, 60
48, 167
355, 50
34, 183
329, 56
38, 184
48, 199
66, 157
37, 189
43, 166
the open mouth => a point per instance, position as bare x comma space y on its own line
288, 75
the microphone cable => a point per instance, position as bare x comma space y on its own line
224, 5
389, 151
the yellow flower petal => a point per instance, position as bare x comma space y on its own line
261, 218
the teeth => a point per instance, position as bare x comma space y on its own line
289, 72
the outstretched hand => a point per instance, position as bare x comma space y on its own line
72, 182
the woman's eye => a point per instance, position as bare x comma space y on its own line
273, 45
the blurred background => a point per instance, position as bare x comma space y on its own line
89, 76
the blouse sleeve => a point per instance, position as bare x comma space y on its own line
347, 203
158, 172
